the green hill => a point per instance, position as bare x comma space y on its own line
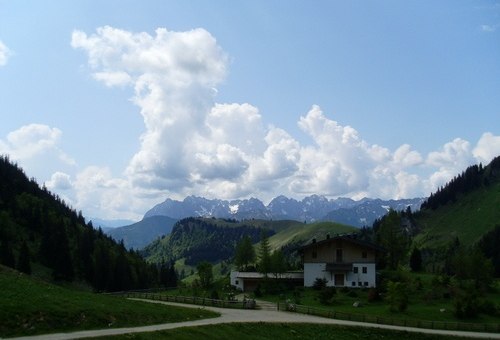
31, 306
466, 208
193, 240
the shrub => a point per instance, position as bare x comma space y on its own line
319, 283
373, 295
397, 296
325, 295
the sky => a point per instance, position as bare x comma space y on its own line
118, 105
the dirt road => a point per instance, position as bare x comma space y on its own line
241, 315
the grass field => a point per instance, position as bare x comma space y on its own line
251, 331
428, 303
30, 306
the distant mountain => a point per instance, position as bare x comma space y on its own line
109, 224
310, 209
140, 234
365, 213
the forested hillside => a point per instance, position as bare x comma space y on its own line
465, 209
202, 239
42, 235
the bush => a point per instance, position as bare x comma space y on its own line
373, 295
326, 295
397, 296
352, 293
319, 284
214, 295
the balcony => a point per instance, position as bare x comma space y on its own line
338, 267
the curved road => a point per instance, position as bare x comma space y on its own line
242, 315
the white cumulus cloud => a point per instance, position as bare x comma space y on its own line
5, 54
193, 145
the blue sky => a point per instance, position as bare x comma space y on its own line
117, 105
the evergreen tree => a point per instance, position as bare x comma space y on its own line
264, 254
63, 265
245, 253
23, 262
416, 260
6, 254
205, 273
391, 236
278, 263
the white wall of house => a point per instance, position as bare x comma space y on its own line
238, 283
361, 279
312, 271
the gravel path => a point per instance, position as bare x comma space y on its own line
241, 315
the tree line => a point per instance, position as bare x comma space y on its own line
37, 228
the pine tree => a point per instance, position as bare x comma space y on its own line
391, 236
264, 254
23, 262
416, 260
245, 253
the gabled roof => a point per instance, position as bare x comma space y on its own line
352, 238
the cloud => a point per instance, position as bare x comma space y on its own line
489, 28
487, 148
5, 54
34, 140
59, 181
193, 145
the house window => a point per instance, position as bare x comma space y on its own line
364, 254
355, 270
365, 270
236, 282
366, 284
314, 254
353, 284
359, 283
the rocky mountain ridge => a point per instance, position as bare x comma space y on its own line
310, 209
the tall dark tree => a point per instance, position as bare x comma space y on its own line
264, 264
416, 260
391, 236
278, 263
24, 262
6, 254
245, 253
205, 273
63, 265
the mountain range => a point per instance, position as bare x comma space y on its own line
310, 209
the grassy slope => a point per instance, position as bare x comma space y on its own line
468, 218
30, 306
302, 233
253, 331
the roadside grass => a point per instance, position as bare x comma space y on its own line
31, 306
427, 303
251, 331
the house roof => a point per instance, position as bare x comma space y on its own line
352, 238
257, 275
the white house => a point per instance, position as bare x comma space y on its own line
344, 261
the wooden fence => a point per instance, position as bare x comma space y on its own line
456, 326
193, 300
